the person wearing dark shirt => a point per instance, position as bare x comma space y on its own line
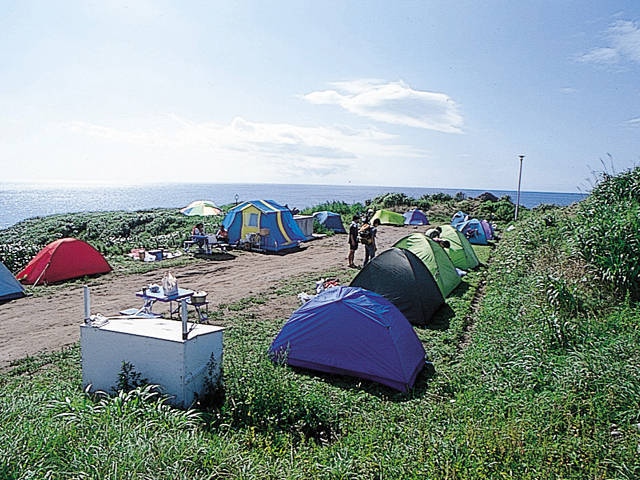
353, 240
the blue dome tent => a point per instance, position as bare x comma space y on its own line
459, 217
10, 288
415, 217
330, 220
474, 231
355, 332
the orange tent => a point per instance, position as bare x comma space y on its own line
63, 259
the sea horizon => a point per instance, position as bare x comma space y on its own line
23, 200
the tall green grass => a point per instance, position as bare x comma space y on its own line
536, 375
607, 231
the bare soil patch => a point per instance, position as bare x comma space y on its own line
50, 322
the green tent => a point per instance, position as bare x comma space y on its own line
435, 258
387, 217
461, 251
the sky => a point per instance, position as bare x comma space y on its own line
436, 94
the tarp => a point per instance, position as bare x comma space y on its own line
273, 222
355, 332
415, 217
460, 251
10, 288
387, 217
330, 220
435, 258
61, 260
402, 278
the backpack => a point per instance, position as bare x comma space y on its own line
365, 234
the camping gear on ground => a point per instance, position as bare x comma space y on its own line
169, 284
460, 250
63, 259
201, 208
265, 224
199, 298
10, 288
415, 217
435, 258
402, 278
473, 230
355, 332
330, 220
387, 217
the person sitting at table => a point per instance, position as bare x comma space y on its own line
222, 235
198, 235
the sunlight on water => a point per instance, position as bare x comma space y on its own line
21, 201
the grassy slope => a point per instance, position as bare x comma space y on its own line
530, 385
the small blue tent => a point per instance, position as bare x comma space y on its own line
273, 223
330, 220
459, 217
415, 217
352, 331
474, 231
10, 288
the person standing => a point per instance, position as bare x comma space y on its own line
353, 240
370, 247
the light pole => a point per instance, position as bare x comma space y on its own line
519, 179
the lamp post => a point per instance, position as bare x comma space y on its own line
519, 179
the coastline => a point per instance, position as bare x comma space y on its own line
22, 201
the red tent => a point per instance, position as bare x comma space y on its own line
63, 259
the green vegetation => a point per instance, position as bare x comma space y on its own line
536, 375
111, 233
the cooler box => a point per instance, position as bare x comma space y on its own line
154, 347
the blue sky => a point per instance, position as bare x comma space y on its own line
407, 93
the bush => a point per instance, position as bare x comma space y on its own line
610, 238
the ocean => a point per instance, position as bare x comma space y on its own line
22, 201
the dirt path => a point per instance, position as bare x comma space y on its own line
50, 322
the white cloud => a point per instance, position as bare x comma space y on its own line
269, 151
393, 102
623, 38
634, 122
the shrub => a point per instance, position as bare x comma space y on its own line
609, 239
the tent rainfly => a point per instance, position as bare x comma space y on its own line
460, 251
435, 258
387, 217
403, 279
415, 217
355, 332
61, 260
272, 222
10, 288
